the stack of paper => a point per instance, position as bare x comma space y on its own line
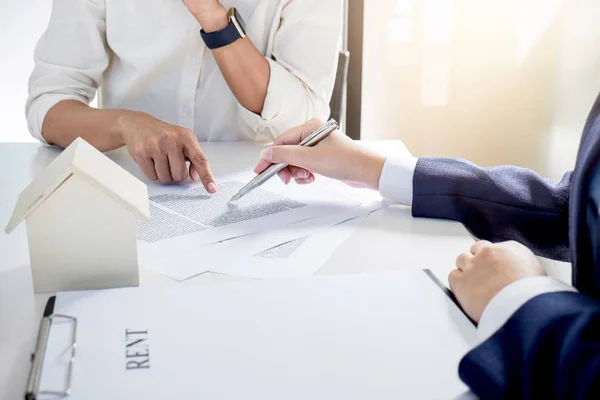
275, 231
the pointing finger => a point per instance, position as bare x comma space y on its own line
200, 164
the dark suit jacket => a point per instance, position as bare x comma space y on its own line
550, 348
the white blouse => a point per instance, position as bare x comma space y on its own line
147, 55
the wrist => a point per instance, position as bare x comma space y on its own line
214, 19
511, 298
121, 124
373, 171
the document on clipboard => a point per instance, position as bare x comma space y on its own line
353, 337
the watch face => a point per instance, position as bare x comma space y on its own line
238, 21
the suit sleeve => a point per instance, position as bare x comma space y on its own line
496, 203
549, 349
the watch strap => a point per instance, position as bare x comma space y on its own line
224, 37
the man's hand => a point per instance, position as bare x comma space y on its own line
211, 15
488, 268
161, 150
337, 157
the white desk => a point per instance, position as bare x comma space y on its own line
388, 240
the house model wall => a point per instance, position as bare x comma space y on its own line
81, 222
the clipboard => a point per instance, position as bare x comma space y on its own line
65, 384
33, 383
448, 293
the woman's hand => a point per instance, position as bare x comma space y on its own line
337, 157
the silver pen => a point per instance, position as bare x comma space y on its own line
274, 169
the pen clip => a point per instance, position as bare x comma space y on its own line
329, 126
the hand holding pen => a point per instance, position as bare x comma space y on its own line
312, 139
337, 157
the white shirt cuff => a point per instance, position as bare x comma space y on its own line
513, 297
396, 181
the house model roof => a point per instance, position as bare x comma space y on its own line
83, 160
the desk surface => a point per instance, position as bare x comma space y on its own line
388, 240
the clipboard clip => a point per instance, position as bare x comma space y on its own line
33, 384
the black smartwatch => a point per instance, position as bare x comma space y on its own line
234, 31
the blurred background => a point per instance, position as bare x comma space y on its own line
497, 82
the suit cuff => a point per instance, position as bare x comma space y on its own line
396, 181
513, 297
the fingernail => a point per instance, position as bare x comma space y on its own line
303, 174
212, 188
267, 154
194, 175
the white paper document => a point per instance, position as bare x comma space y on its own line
236, 256
298, 258
357, 337
194, 210
185, 219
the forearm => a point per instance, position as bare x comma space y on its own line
244, 68
246, 72
284, 87
70, 119
496, 203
